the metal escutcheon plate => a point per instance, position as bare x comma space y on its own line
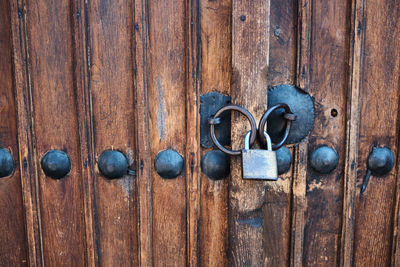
301, 104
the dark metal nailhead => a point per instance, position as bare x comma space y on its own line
113, 164
56, 164
284, 159
324, 159
6, 163
168, 164
380, 161
215, 164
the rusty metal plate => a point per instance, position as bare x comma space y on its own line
210, 103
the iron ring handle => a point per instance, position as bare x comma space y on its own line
243, 111
289, 116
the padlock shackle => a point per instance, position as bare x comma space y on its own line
247, 141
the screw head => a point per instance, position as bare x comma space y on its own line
6, 163
324, 159
168, 164
56, 164
380, 161
215, 164
284, 159
113, 164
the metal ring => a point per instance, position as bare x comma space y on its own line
253, 125
264, 119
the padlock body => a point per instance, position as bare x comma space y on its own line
259, 164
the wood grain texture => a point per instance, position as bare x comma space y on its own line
379, 86
27, 159
143, 137
322, 72
13, 250
85, 128
352, 136
250, 50
87, 76
167, 106
55, 127
328, 81
300, 153
281, 70
215, 77
193, 84
112, 99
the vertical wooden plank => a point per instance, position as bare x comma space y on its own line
143, 132
352, 134
85, 127
283, 43
193, 83
299, 203
281, 70
55, 127
112, 98
215, 77
250, 48
379, 85
300, 152
13, 250
328, 85
322, 72
167, 96
27, 157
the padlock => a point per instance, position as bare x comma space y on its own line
259, 163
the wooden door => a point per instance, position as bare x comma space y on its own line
84, 77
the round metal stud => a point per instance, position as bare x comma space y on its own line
215, 164
56, 164
380, 161
284, 159
300, 103
324, 159
168, 164
113, 164
6, 163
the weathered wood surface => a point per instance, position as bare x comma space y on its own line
25, 134
50, 88
13, 250
250, 59
352, 136
281, 70
167, 109
215, 77
110, 33
192, 155
87, 76
379, 109
327, 81
143, 152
